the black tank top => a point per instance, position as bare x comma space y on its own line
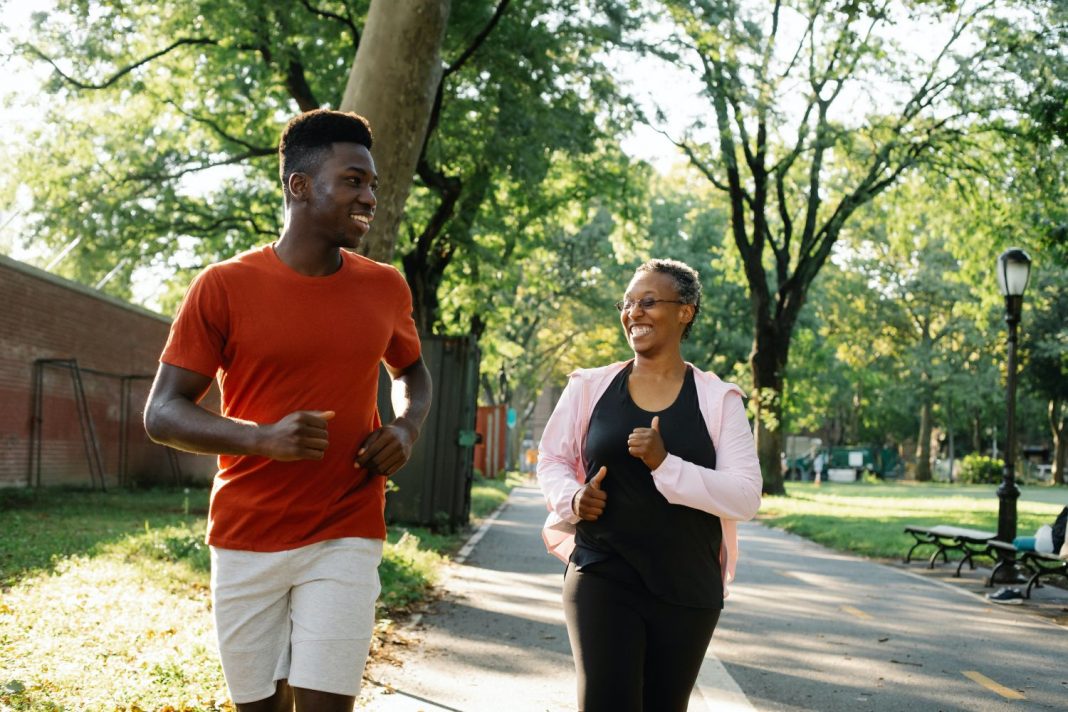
673, 550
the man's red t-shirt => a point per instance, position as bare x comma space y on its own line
279, 342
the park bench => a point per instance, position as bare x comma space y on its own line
976, 542
970, 542
1039, 565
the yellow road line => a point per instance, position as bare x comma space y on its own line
857, 612
992, 686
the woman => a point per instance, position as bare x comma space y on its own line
647, 466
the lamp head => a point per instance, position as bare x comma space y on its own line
1014, 270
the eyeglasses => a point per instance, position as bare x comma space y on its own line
646, 303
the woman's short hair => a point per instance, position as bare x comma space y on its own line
308, 137
687, 283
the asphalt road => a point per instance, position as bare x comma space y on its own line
805, 628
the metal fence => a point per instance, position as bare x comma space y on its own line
434, 488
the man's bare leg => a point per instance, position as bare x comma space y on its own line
280, 701
317, 701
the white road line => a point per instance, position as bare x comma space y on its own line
477, 536
718, 690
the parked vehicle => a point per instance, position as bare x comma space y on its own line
883, 462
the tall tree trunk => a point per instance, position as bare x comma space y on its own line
852, 433
1058, 422
393, 82
923, 447
768, 363
952, 443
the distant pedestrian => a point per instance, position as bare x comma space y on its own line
646, 467
817, 467
295, 331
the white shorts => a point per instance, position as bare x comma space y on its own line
305, 615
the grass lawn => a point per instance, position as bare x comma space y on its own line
869, 519
104, 599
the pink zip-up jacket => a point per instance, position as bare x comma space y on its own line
731, 491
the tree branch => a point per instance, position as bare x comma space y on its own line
297, 84
347, 21
125, 70
214, 126
479, 39
155, 177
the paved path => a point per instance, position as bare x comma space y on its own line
805, 629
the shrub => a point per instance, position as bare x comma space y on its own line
980, 470
408, 572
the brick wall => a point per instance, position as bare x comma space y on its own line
114, 343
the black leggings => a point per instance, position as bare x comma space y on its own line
632, 653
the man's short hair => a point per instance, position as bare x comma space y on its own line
309, 136
687, 283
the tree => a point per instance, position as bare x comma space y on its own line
1046, 349
843, 382
801, 142
1038, 99
144, 101
538, 282
688, 222
394, 81
510, 110
203, 90
921, 279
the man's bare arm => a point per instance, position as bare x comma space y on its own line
387, 449
174, 417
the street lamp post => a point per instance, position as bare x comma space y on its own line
1014, 270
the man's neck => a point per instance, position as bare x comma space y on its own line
309, 259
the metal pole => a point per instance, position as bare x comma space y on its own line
33, 477
124, 418
1008, 492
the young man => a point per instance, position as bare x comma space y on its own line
295, 332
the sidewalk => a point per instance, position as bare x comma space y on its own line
805, 629
497, 640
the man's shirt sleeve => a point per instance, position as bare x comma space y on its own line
198, 334
404, 347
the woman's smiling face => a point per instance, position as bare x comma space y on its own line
659, 324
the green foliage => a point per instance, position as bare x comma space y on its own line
688, 221
488, 494
908, 313
521, 164
200, 89
408, 572
799, 146
980, 469
520, 156
189, 173
1045, 331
